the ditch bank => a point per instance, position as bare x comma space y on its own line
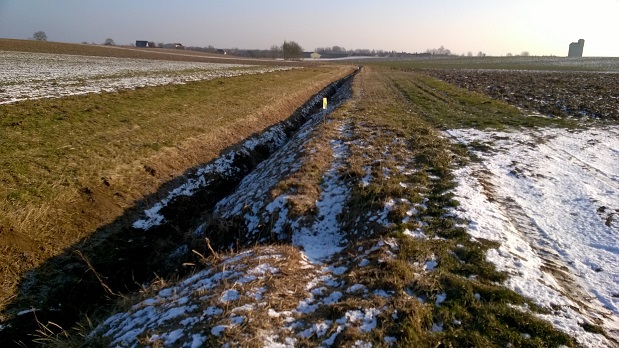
143, 246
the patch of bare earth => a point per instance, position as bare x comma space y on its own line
558, 94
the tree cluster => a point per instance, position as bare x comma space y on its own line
39, 36
339, 51
522, 54
292, 50
441, 51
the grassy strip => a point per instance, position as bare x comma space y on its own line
70, 165
477, 311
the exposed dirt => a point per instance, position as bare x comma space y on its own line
575, 94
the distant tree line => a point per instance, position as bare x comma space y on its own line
341, 51
522, 54
291, 50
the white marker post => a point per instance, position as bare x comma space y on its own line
324, 103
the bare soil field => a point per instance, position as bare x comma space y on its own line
600, 64
566, 94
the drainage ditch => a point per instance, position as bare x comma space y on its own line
145, 245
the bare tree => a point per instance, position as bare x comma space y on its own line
109, 42
39, 36
292, 50
525, 53
275, 51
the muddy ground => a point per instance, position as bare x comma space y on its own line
564, 94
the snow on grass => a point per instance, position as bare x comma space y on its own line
324, 285
42, 75
179, 308
324, 238
549, 197
500, 197
213, 303
222, 166
255, 187
251, 200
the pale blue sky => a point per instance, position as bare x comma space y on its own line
496, 27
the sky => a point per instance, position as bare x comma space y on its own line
540, 27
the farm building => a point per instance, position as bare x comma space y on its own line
312, 55
143, 43
576, 49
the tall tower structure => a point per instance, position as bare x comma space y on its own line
576, 49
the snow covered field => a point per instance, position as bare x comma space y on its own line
549, 196
42, 75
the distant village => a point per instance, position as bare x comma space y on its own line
334, 52
337, 52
